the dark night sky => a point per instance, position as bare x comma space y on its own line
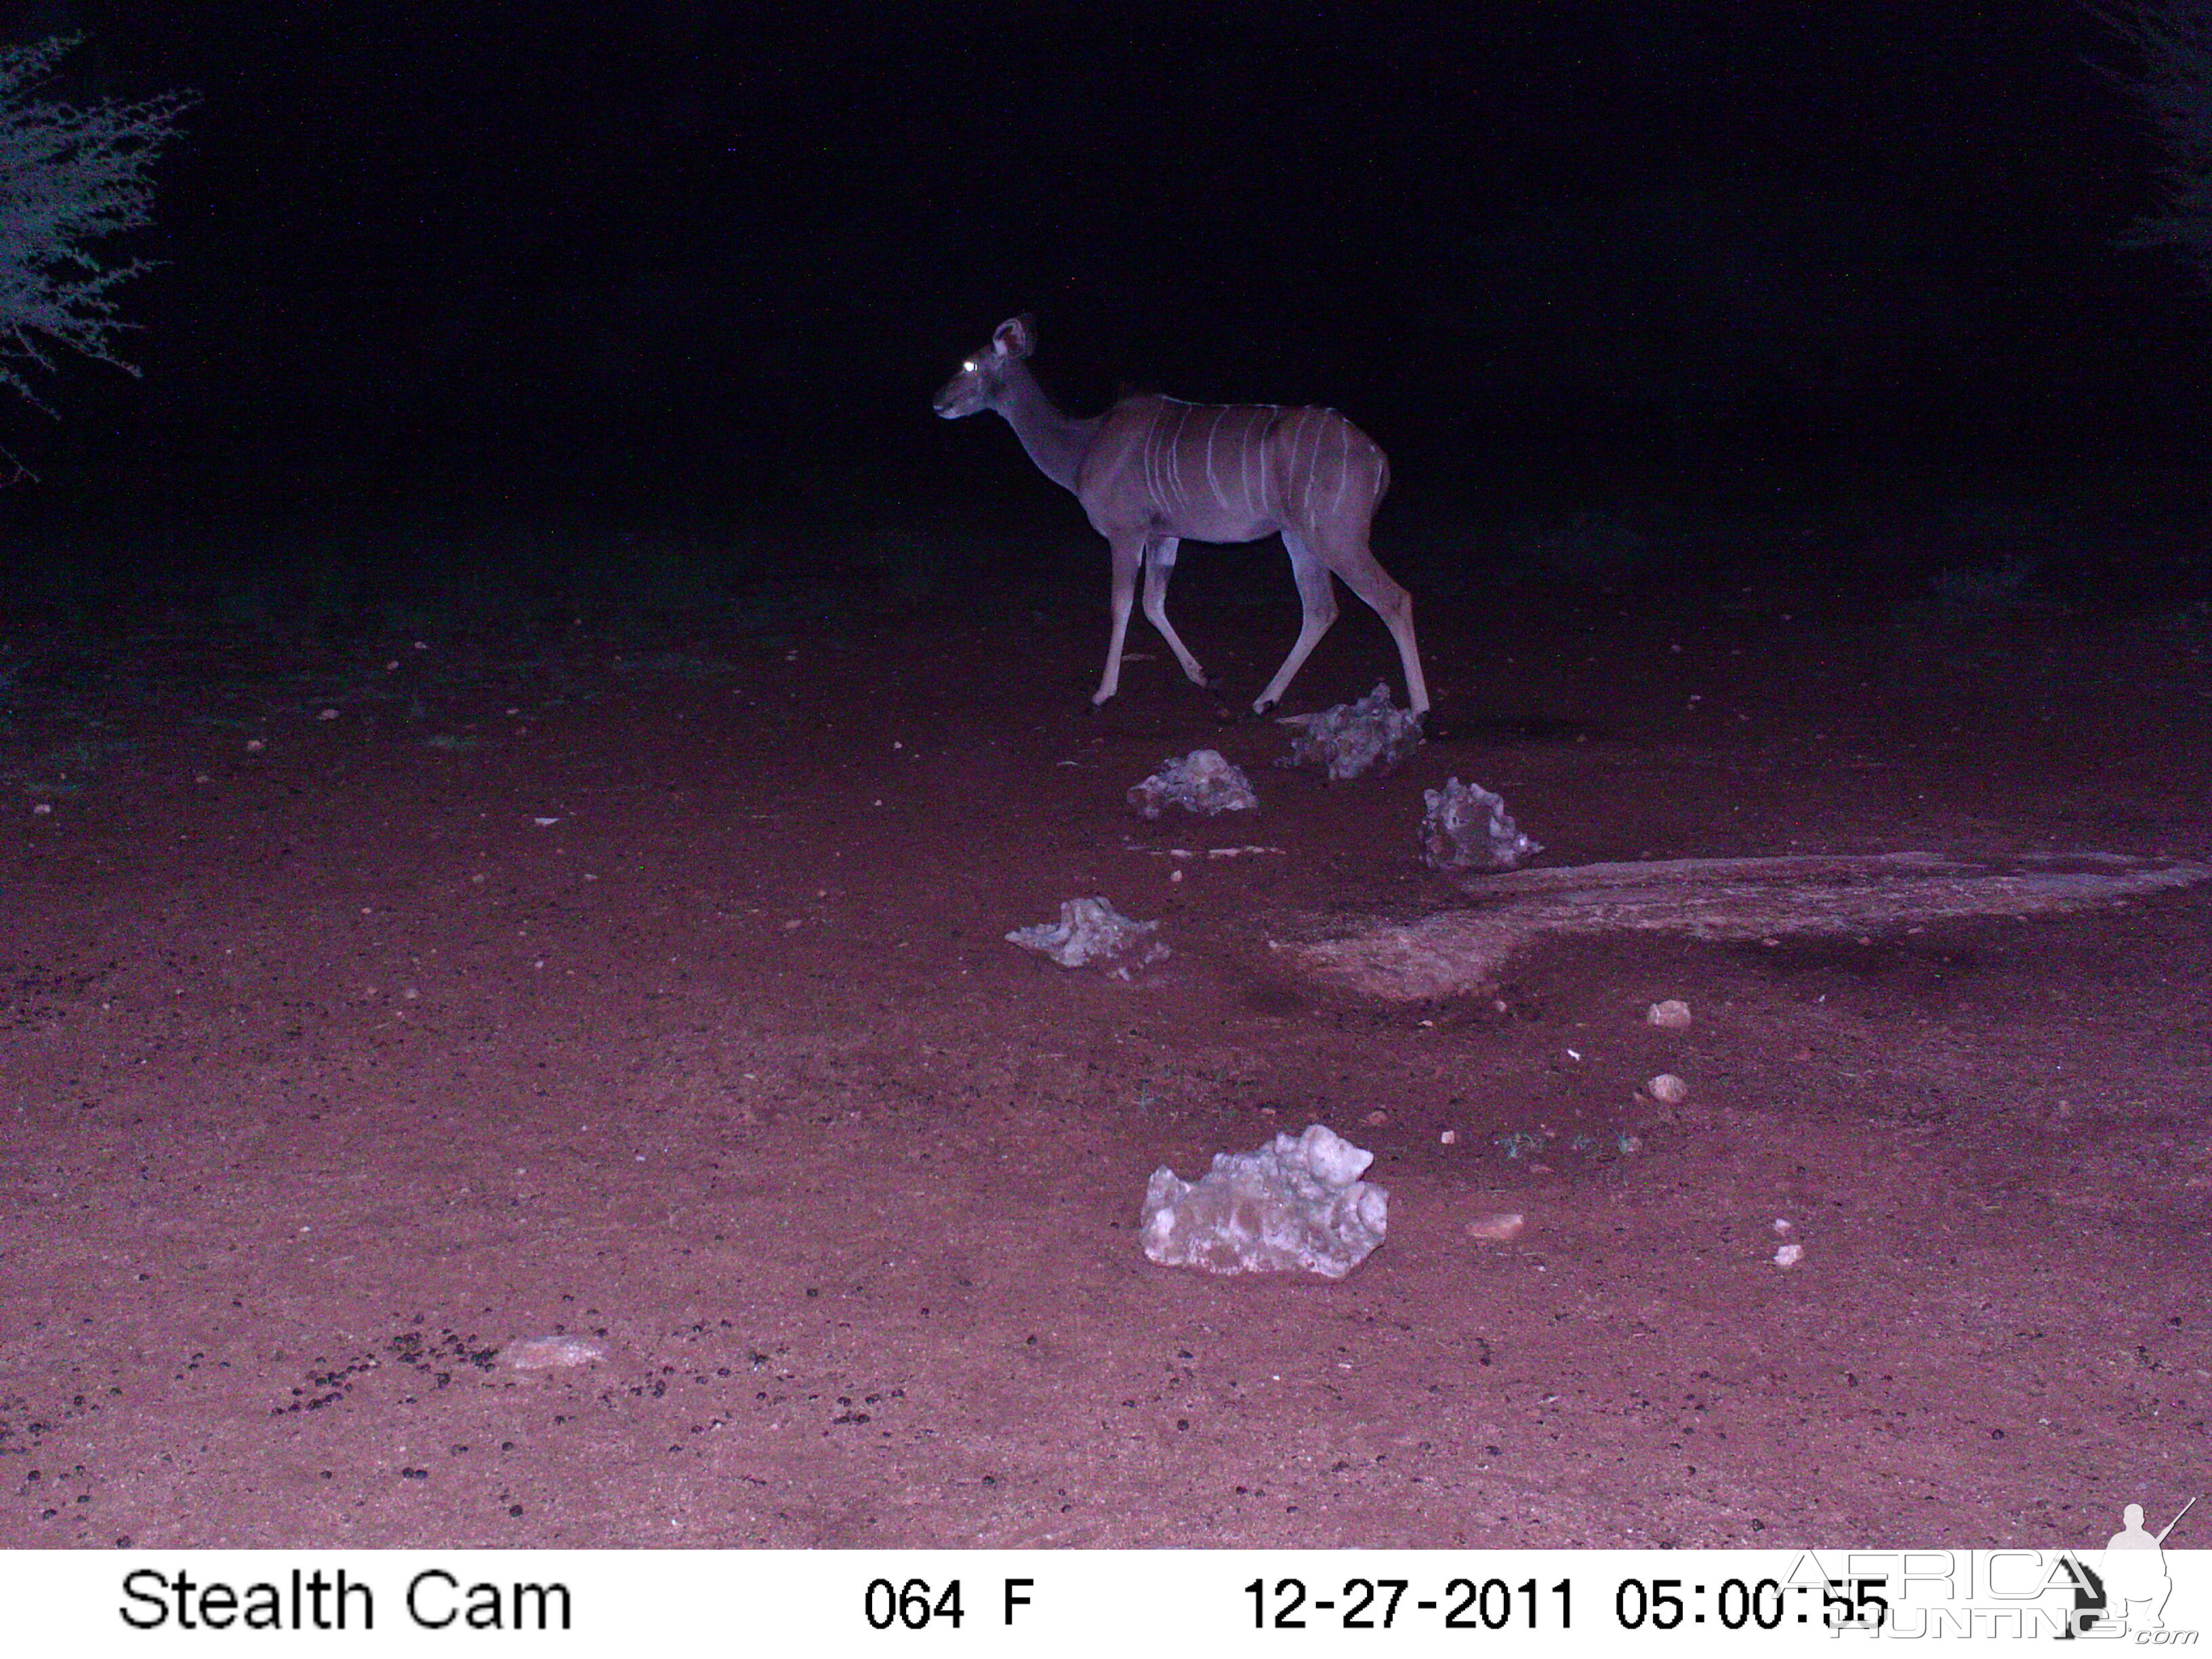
657, 248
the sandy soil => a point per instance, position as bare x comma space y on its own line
652, 991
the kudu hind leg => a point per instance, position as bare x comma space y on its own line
1368, 578
1159, 565
1318, 600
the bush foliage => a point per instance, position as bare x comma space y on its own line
71, 176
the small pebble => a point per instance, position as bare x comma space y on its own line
1501, 1228
1667, 1089
1671, 1015
1789, 1256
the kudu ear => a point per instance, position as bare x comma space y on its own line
1016, 336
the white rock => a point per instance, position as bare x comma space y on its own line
1297, 1203
1353, 738
1671, 1015
1467, 828
1202, 781
1789, 1256
538, 1353
1092, 933
1667, 1089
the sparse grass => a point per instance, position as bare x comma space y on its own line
1619, 1144
1516, 1144
678, 664
1590, 546
1982, 592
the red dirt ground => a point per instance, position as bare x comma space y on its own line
330, 1070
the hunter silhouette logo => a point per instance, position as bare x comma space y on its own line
2135, 1580
2128, 1588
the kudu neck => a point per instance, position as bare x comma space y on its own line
1056, 442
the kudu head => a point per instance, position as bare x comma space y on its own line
980, 382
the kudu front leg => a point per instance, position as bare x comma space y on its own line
1129, 552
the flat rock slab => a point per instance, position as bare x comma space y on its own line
1463, 952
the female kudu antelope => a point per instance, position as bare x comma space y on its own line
1151, 471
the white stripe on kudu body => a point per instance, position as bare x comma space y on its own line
1151, 471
